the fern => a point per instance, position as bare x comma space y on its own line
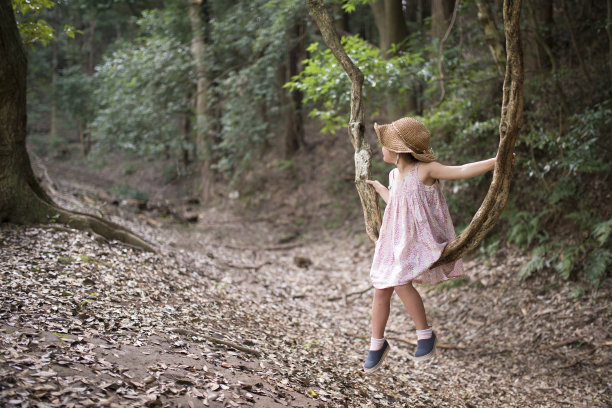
601, 232
567, 259
536, 263
597, 265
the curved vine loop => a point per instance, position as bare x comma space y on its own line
509, 127
510, 123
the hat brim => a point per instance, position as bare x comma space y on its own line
389, 140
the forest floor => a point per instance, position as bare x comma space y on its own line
240, 309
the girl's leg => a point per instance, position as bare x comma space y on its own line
381, 305
414, 305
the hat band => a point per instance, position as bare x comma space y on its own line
410, 146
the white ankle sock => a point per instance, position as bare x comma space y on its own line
424, 334
376, 344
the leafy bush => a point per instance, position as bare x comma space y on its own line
141, 93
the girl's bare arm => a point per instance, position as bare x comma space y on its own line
435, 170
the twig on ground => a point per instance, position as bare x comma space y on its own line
186, 332
265, 248
347, 295
578, 359
562, 343
254, 267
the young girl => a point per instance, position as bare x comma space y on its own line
415, 229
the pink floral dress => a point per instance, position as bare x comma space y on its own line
415, 229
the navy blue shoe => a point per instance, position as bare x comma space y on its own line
426, 348
375, 358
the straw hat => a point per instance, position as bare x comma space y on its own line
406, 135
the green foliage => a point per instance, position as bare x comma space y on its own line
601, 232
537, 262
141, 92
350, 6
32, 27
597, 265
524, 227
567, 260
326, 87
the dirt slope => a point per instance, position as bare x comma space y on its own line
90, 323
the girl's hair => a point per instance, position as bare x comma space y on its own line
408, 156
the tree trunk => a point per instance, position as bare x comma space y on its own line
441, 11
510, 123
90, 60
294, 130
53, 117
551, 58
198, 47
22, 200
609, 31
392, 29
390, 22
492, 36
583, 67
356, 128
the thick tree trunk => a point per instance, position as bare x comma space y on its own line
198, 47
492, 36
392, 29
356, 128
390, 22
22, 200
511, 120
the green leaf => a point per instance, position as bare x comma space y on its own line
601, 232
536, 263
597, 265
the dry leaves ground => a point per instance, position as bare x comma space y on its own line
239, 311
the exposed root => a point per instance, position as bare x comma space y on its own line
104, 228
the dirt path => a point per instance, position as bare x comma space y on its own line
243, 311
506, 342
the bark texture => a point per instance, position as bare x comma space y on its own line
294, 123
198, 48
511, 120
441, 11
609, 31
356, 128
22, 200
492, 36
390, 22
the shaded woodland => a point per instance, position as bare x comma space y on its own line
209, 91
213, 135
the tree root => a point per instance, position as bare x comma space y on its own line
43, 210
104, 228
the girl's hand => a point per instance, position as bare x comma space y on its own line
380, 189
